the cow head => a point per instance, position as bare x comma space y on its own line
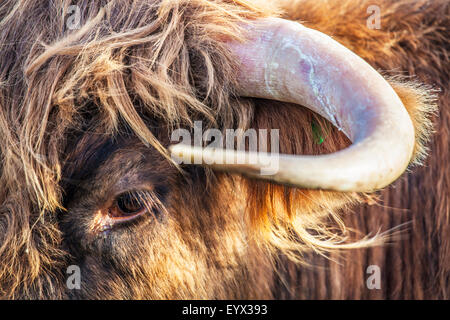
89, 172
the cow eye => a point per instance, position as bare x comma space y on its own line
129, 203
127, 206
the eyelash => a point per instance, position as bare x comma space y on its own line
135, 203
132, 201
126, 207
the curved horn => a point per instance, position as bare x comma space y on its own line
286, 61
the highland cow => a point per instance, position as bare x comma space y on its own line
88, 172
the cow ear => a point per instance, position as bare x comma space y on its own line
273, 207
421, 102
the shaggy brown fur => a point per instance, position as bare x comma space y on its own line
86, 114
412, 43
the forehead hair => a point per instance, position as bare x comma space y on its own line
124, 62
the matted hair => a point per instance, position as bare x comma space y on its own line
130, 61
